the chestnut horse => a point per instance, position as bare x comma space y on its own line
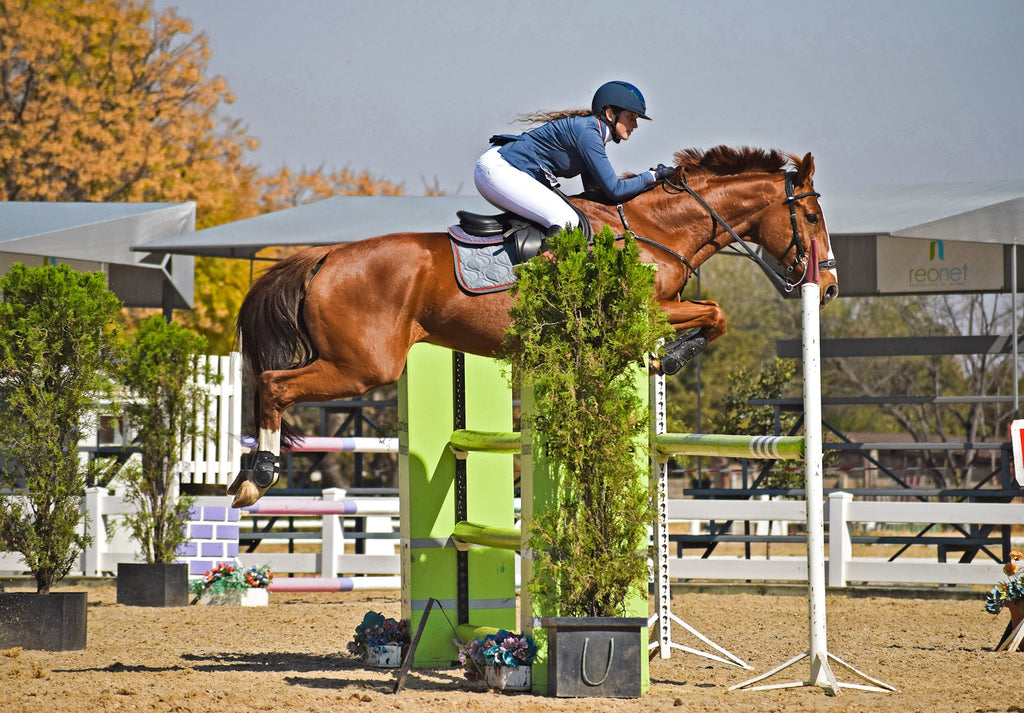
337, 321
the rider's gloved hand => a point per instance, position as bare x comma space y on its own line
663, 171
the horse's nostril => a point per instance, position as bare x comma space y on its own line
831, 292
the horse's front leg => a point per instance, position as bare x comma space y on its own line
696, 322
250, 485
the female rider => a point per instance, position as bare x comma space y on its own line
519, 173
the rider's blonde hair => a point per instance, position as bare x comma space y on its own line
543, 117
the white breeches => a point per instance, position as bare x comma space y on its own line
508, 188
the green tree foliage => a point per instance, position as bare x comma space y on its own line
109, 100
58, 338
737, 415
581, 326
167, 410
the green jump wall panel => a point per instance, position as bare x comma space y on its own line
440, 392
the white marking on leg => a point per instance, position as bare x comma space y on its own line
270, 441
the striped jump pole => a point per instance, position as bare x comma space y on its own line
729, 446
334, 444
333, 584
293, 507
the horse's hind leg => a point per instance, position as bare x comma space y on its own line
278, 390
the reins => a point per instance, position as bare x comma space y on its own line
653, 243
770, 265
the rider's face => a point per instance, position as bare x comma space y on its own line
625, 122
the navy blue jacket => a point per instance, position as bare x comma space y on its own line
569, 147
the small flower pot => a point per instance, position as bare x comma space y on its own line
152, 585
1016, 610
46, 622
252, 597
508, 678
387, 656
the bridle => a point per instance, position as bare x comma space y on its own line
775, 269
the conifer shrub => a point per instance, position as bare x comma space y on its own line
163, 370
58, 345
583, 323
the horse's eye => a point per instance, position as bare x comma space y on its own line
812, 219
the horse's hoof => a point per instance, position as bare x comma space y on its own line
247, 495
237, 482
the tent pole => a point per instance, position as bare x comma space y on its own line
1013, 310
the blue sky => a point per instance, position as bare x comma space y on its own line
882, 93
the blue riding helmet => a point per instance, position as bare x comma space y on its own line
622, 95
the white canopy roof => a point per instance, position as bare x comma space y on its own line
985, 212
341, 219
100, 236
976, 212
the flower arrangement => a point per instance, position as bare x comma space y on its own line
225, 577
1010, 591
376, 632
501, 649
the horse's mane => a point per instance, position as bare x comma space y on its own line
728, 161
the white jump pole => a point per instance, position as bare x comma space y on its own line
821, 674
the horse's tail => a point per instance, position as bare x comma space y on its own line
270, 329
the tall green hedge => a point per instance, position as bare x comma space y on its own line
583, 321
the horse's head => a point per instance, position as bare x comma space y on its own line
788, 230
786, 217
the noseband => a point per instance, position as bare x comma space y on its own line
775, 269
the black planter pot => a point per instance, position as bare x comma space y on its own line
152, 585
49, 622
596, 656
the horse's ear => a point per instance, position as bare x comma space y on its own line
805, 171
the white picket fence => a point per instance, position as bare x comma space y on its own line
205, 461
842, 514
215, 462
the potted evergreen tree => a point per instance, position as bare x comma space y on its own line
162, 370
583, 325
58, 337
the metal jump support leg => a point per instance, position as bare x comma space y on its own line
663, 615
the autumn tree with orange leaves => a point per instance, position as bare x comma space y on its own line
107, 100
